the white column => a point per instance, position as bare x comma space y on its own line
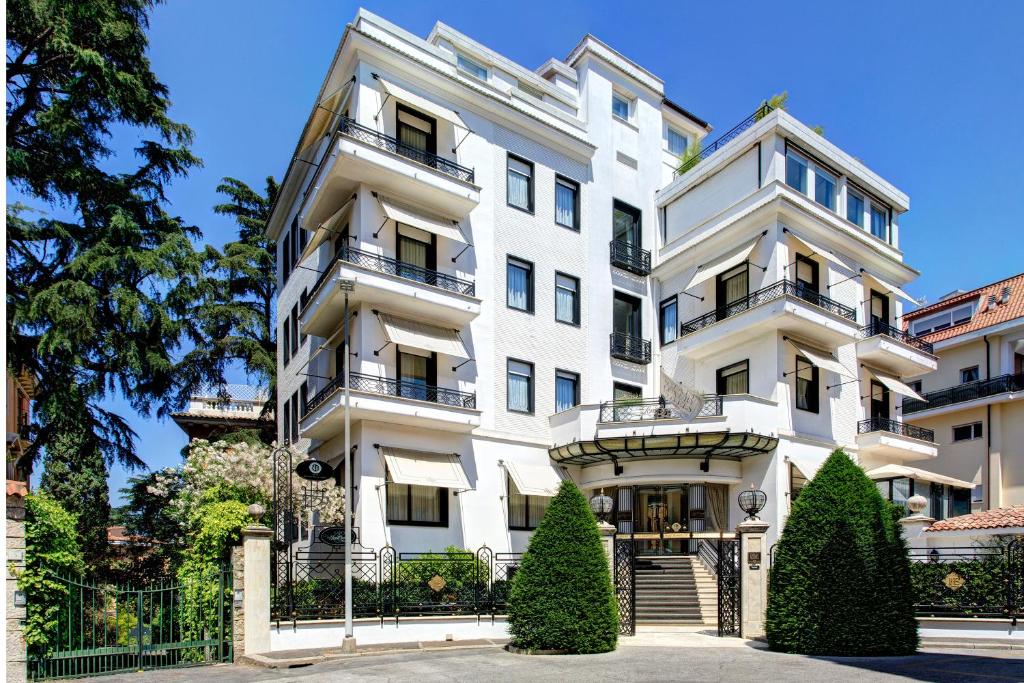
753, 577
916, 522
256, 598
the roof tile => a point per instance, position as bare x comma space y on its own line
984, 316
997, 518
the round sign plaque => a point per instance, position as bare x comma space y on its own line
314, 470
333, 536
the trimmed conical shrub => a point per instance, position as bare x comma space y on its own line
840, 581
561, 596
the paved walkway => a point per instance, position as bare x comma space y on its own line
732, 664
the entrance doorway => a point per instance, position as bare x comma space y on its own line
660, 510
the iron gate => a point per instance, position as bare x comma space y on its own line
728, 571
625, 574
972, 582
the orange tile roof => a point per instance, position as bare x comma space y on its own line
984, 316
997, 518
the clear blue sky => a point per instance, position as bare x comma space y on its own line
929, 95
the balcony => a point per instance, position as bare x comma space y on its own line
784, 306
1006, 387
724, 139
630, 257
891, 348
886, 438
391, 284
641, 410
629, 348
388, 400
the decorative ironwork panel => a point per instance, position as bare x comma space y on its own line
635, 410
877, 327
391, 387
437, 583
285, 533
884, 424
318, 588
728, 570
969, 391
625, 572
504, 568
351, 129
967, 581
629, 348
630, 257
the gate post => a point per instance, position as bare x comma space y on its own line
256, 586
607, 532
753, 577
16, 654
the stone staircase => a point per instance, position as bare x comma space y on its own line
675, 589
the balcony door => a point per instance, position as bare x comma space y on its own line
879, 401
417, 253
879, 312
730, 287
806, 278
416, 132
417, 373
626, 224
626, 315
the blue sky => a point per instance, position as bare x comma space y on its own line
929, 95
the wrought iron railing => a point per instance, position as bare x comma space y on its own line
630, 348
390, 266
392, 387
877, 327
638, 409
763, 296
976, 582
968, 391
630, 257
369, 136
885, 424
724, 139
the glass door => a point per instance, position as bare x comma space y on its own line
661, 510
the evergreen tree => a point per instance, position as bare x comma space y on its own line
840, 581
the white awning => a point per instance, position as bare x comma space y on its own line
423, 468
534, 480
895, 385
723, 263
423, 335
893, 471
893, 289
422, 103
820, 251
325, 112
823, 360
326, 229
808, 465
401, 213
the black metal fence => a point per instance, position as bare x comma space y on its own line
350, 128
631, 257
629, 348
877, 327
973, 582
969, 391
885, 424
390, 266
639, 409
724, 139
392, 387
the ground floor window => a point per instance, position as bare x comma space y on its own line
416, 505
797, 481
524, 512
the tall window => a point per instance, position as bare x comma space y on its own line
732, 286
416, 253
676, 142
567, 390
855, 208
734, 379
524, 512
668, 317
295, 417
520, 386
567, 203
807, 385
626, 311
286, 257
295, 329
567, 299
620, 106
303, 396
879, 222
796, 172
825, 189
472, 67
415, 505
520, 183
416, 374
416, 131
879, 401
625, 223
284, 336
806, 278
519, 293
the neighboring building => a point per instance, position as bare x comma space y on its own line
974, 402
537, 296
217, 411
21, 388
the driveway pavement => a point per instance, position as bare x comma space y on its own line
730, 665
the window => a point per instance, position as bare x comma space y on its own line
915, 385
732, 286
295, 417
417, 254
796, 172
668, 317
797, 481
855, 208
567, 299
286, 257
520, 386
967, 432
285, 338
879, 311
806, 277
733, 379
524, 512
879, 402
626, 311
944, 319
415, 131
978, 494
416, 505
285, 427
624, 394
520, 183
303, 300
961, 503
417, 373
303, 396
520, 284
969, 374
677, 142
824, 189
471, 67
567, 203
567, 390
295, 329
807, 385
879, 222
620, 106
625, 223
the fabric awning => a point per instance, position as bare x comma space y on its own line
421, 103
820, 251
325, 112
326, 229
808, 465
424, 468
893, 471
401, 213
534, 480
423, 335
723, 263
823, 360
895, 385
893, 289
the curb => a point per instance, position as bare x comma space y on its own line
301, 658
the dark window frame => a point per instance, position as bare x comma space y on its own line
442, 493
530, 185
636, 315
533, 386
637, 230
673, 301
575, 376
976, 429
284, 336
977, 371
720, 377
295, 329
415, 113
813, 392
575, 186
526, 502
294, 416
286, 428
575, 303
530, 283
815, 283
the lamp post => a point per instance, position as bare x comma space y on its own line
349, 644
752, 502
601, 506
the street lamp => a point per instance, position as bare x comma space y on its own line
349, 644
752, 502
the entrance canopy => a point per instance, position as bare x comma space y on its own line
534, 480
699, 445
424, 468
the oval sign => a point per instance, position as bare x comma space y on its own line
314, 470
333, 535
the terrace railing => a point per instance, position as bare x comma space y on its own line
724, 139
968, 391
877, 327
392, 387
636, 410
351, 129
629, 348
630, 257
885, 424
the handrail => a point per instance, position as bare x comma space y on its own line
724, 139
392, 387
968, 391
359, 132
630, 257
877, 327
885, 424
627, 347
635, 410
772, 292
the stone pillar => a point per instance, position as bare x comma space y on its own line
238, 606
607, 532
915, 523
256, 589
16, 655
753, 577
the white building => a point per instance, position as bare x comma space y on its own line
523, 256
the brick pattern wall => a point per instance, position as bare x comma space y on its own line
15, 653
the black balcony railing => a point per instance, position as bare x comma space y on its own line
630, 257
877, 327
392, 387
724, 139
628, 347
353, 130
969, 391
763, 296
884, 424
638, 409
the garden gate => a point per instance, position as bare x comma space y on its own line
975, 582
